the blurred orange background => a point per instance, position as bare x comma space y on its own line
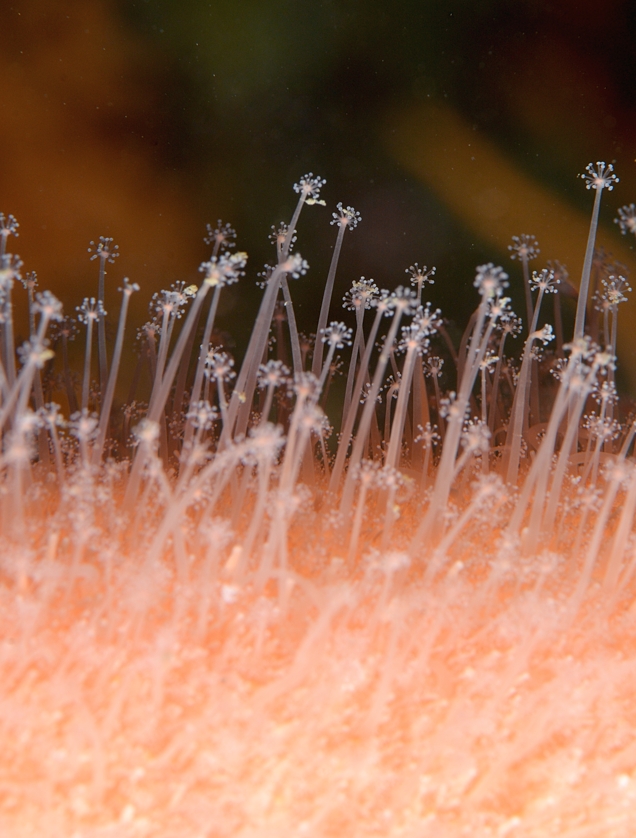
451, 126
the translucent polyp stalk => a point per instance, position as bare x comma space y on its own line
438, 403
594, 455
220, 389
295, 449
21, 389
198, 376
618, 474
395, 442
284, 253
446, 467
368, 411
356, 350
160, 393
276, 545
528, 292
240, 404
294, 340
267, 407
349, 420
326, 301
519, 414
494, 393
9, 342
574, 418
57, 452
570, 400
87, 363
243, 393
581, 306
164, 342
425, 466
484, 394
421, 413
101, 328
183, 372
539, 473
389, 395
112, 379
325, 368
4, 384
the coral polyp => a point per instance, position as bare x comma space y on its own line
235, 605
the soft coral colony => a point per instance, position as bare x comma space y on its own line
241, 607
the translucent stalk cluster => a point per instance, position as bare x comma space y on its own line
222, 617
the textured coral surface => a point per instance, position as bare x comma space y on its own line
153, 700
